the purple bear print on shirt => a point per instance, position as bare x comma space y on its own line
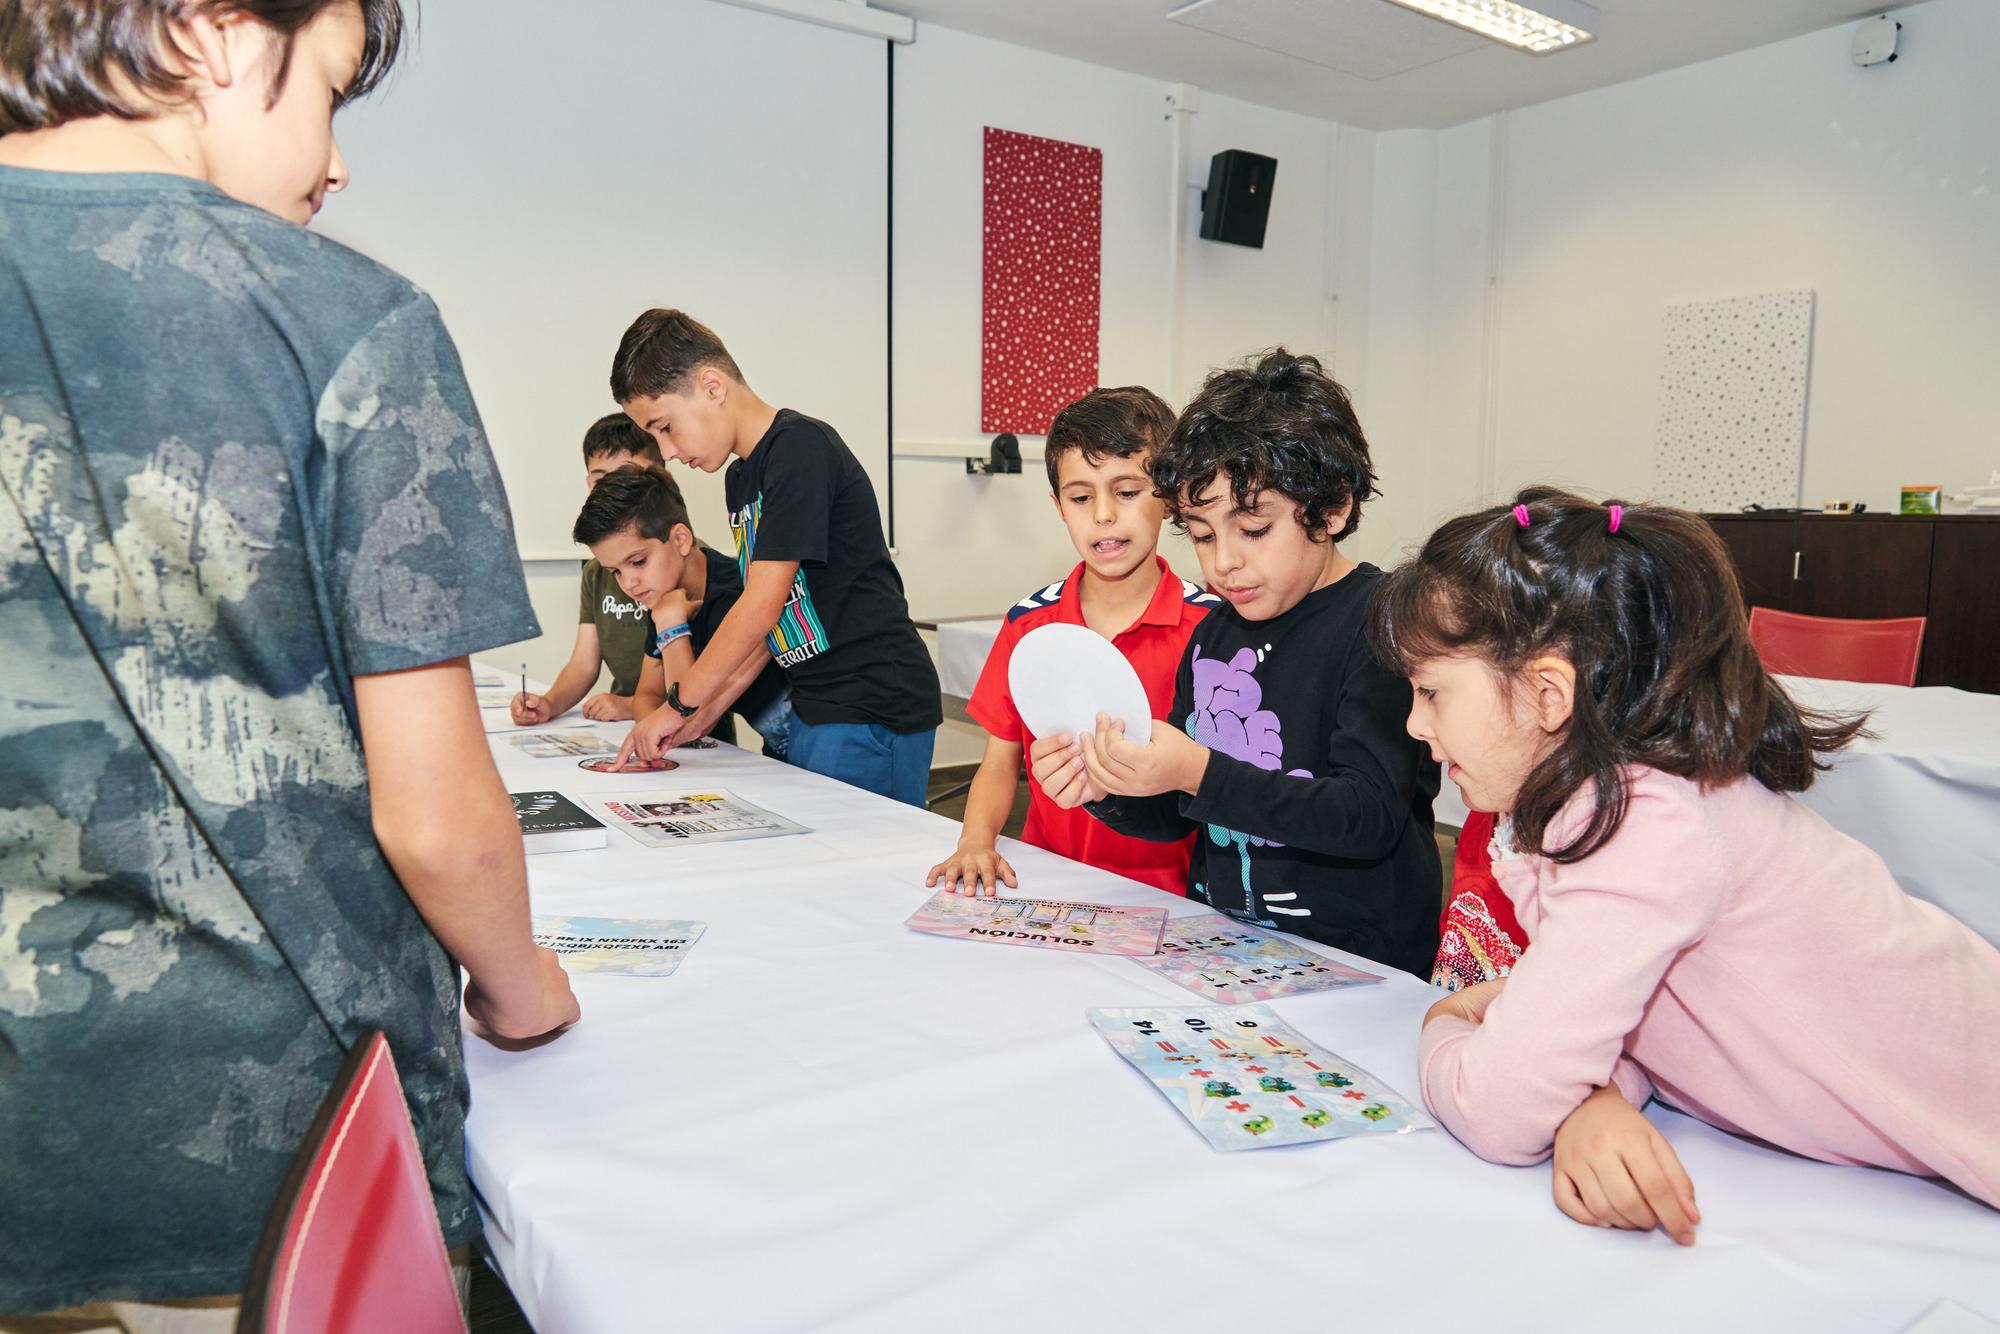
1227, 718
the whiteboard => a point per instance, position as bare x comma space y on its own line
546, 172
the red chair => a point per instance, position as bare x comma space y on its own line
1836, 649
352, 1245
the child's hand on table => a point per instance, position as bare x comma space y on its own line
1170, 762
976, 869
650, 737
529, 709
1056, 764
1613, 1168
605, 707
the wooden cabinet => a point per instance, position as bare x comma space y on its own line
1945, 568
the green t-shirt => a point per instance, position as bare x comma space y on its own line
622, 626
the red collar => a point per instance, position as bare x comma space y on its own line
1166, 607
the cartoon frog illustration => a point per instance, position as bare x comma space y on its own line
1329, 1079
1219, 1088
1257, 1125
1316, 1118
1375, 1111
1274, 1084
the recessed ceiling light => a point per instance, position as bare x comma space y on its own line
1553, 25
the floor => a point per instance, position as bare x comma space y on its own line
493, 1309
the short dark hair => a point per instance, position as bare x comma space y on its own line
1108, 423
65, 60
660, 353
1279, 424
643, 499
1653, 620
616, 433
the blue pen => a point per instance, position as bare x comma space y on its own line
524, 678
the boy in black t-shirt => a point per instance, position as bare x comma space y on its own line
636, 526
611, 631
1286, 746
819, 592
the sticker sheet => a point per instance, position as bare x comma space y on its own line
677, 819
1247, 1081
1047, 924
1221, 959
634, 946
562, 745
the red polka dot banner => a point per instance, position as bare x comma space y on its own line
1043, 246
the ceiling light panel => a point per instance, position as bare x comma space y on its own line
1553, 25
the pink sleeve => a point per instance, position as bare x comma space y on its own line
1610, 926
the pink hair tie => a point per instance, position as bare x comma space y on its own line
1521, 515
1617, 516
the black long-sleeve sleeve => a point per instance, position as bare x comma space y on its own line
1157, 819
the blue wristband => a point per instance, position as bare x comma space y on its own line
670, 634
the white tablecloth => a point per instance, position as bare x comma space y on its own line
962, 650
824, 1121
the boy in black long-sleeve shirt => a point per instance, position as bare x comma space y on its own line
1288, 745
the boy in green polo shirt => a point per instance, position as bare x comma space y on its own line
611, 630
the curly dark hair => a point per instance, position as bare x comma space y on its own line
1281, 424
1653, 621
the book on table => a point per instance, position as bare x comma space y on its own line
551, 822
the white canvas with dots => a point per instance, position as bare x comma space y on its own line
1733, 401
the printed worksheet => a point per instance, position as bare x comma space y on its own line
634, 946
1222, 959
680, 819
1048, 924
1245, 1080
562, 745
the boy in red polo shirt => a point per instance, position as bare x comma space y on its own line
1096, 455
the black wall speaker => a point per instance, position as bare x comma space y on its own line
1237, 202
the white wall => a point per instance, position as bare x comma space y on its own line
1781, 167
547, 183
975, 544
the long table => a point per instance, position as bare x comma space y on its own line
824, 1121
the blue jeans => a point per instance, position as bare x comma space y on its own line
774, 724
867, 755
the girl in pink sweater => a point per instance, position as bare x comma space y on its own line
1693, 930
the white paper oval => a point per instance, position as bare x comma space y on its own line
1062, 676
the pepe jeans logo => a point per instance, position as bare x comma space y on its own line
618, 611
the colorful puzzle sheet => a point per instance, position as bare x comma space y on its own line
1246, 1081
1046, 924
676, 819
1222, 959
562, 745
630, 945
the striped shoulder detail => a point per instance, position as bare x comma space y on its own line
1039, 600
1196, 596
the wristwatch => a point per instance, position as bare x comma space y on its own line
674, 702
